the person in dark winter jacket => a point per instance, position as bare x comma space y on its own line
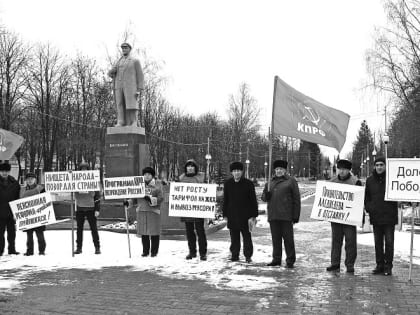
32, 188
9, 191
283, 210
191, 175
340, 231
148, 213
88, 205
240, 209
383, 216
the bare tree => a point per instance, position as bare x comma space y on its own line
13, 62
243, 114
48, 85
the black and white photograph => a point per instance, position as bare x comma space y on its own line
209, 157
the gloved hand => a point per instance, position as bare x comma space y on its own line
268, 195
147, 198
125, 203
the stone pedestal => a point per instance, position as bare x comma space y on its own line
126, 151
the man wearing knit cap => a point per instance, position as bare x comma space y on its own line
194, 227
383, 216
283, 208
9, 191
340, 231
239, 207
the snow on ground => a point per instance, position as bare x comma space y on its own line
402, 244
170, 261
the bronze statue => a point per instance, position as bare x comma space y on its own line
128, 81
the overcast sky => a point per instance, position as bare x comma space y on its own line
208, 48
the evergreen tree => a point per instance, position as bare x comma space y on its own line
362, 148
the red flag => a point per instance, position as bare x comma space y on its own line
299, 116
9, 143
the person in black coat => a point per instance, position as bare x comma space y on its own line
283, 210
383, 216
240, 208
9, 191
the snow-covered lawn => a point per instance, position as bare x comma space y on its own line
170, 261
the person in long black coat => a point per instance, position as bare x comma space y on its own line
239, 208
9, 191
383, 216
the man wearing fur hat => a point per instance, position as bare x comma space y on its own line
9, 191
383, 216
340, 231
191, 175
128, 81
283, 210
239, 207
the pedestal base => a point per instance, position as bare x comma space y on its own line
126, 151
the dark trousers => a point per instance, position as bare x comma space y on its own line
348, 232
198, 225
8, 224
384, 234
146, 240
235, 239
80, 218
283, 231
39, 231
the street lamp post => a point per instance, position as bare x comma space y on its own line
386, 141
208, 158
364, 163
247, 168
367, 166
265, 171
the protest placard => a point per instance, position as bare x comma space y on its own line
338, 203
124, 187
402, 180
192, 200
72, 181
33, 211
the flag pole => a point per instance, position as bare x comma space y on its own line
270, 135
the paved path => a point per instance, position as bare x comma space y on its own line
307, 289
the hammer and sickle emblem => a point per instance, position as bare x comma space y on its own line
311, 115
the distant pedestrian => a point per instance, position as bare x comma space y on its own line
88, 206
148, 213
9, 191
383, 216
283, 210
340, 231
194, 226
240, 209
30, 189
